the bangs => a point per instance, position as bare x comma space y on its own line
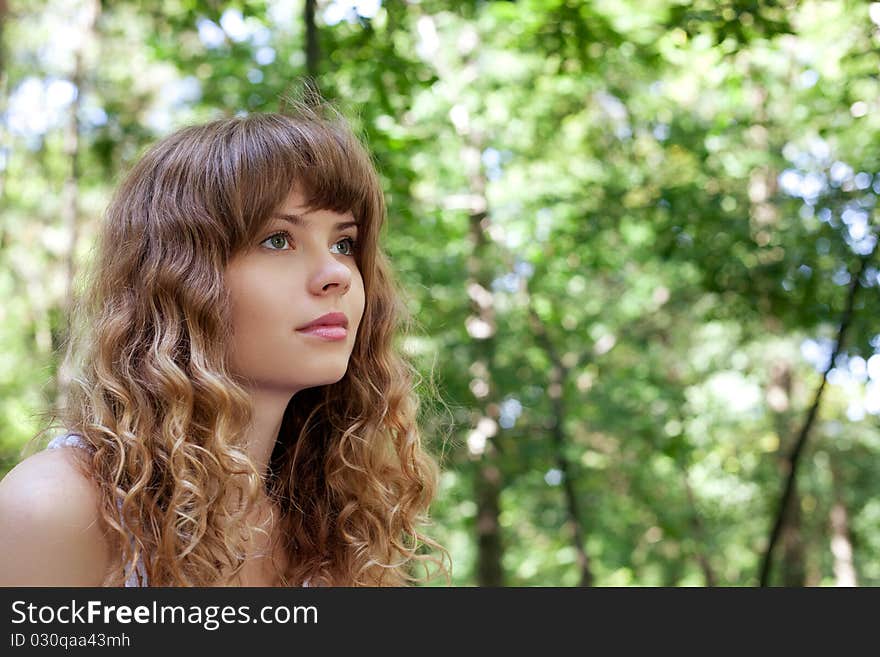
322, 160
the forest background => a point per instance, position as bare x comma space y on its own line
639, 238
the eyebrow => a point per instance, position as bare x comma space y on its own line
299, 221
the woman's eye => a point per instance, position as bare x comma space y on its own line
349, 246
277, 241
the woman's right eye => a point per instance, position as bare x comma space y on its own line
277, 241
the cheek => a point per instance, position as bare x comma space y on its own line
357, 288
240, 323
250, 304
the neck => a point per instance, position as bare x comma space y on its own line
267, 411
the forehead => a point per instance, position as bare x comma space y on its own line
296, 211
320, 217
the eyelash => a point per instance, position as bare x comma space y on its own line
287, 236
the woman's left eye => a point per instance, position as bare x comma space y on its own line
350, 244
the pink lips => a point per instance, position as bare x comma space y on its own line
332, 326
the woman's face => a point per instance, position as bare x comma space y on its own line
300, 269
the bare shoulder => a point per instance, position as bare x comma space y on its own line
50, 533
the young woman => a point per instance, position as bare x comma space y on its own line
241, 416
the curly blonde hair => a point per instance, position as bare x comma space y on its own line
165, 416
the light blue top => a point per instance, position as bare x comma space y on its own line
138, 575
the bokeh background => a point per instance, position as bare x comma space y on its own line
639, 238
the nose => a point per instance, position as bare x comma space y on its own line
330, 276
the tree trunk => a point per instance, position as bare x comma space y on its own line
793, 457
487, 492
481, 327
841, 544
556, 392
793, 566
482, 443
313, 51
71, 206
778, 395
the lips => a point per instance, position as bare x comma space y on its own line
329, 320
332, 327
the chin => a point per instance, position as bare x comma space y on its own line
329, 378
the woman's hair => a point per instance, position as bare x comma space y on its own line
156, 400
